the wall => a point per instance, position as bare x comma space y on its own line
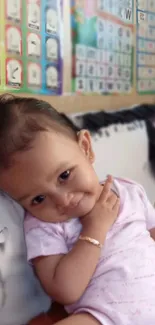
69, 103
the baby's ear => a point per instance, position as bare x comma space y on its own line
84, 140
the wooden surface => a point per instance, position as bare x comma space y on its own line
72, 103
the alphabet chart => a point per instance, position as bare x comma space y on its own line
146, 46
102, 46
30, 46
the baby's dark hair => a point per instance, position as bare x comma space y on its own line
21, 119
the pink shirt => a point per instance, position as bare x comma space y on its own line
122, 289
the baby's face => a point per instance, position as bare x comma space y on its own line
55, 179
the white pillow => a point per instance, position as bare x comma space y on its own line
121, 150
21, 296
124, 154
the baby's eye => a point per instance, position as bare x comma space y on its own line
65, 175
38, 199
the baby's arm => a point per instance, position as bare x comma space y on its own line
65, 277
152, 233
150, 213
150, 218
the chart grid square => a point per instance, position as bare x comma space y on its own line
145, 47
102, 46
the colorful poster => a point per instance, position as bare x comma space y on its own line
30, 46
146, 46
102, 46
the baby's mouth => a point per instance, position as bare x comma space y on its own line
69, 210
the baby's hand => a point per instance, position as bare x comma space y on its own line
100, 219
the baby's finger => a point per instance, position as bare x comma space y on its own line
111, 200
116, 206
106, 189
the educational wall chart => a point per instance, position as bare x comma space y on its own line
30, 46
102, 46
146, 46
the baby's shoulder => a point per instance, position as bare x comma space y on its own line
130, 192
128, 184
31, 222
125, 181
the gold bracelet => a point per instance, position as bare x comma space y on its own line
91, 241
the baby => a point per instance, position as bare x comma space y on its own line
91, 243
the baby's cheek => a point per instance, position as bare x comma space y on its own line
92, 181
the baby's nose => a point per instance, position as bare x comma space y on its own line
63, 200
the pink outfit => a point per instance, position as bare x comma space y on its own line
122, 289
